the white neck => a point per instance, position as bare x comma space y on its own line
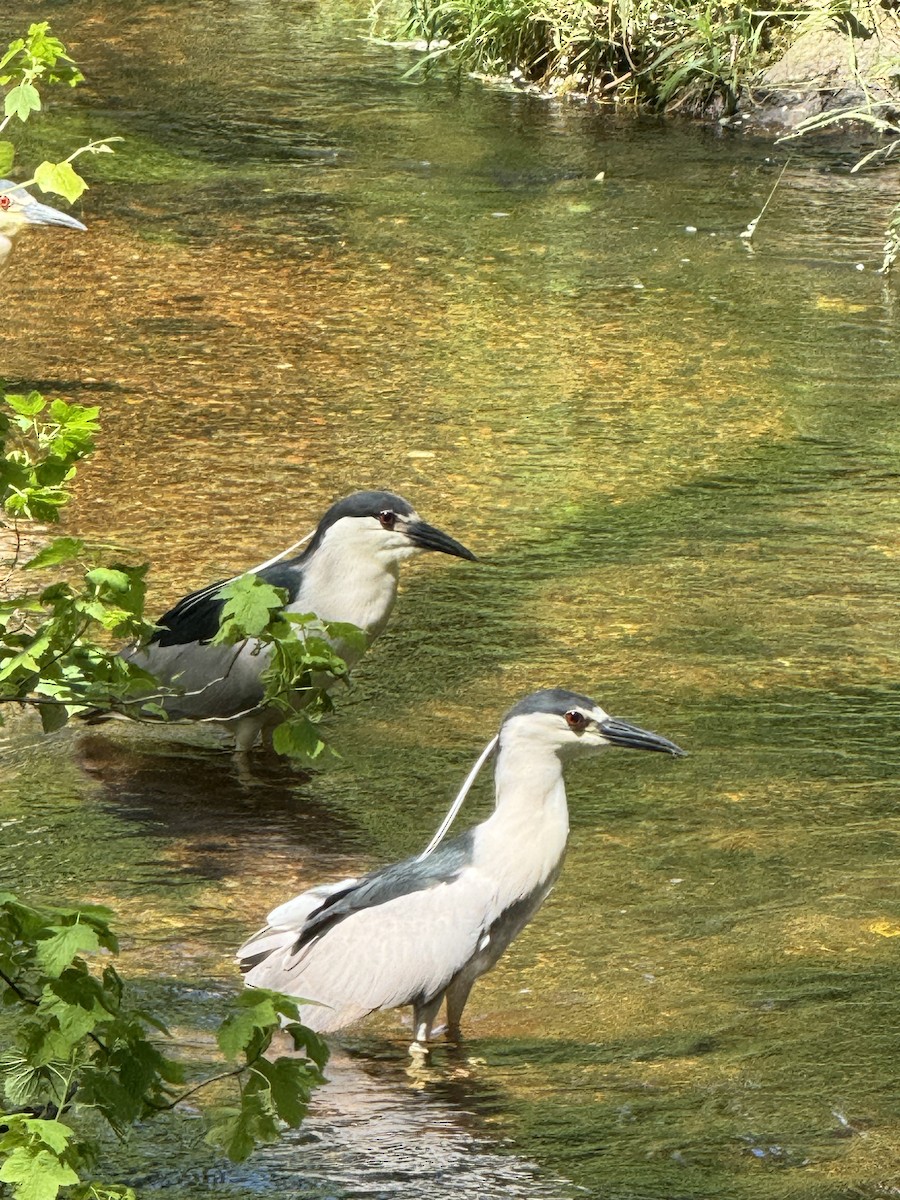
341, 585
523, 842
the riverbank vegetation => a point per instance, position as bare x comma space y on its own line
689, 56
83, 1059
678, 56
794, 69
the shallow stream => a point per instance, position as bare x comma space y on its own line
678, 458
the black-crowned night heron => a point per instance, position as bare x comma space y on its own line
425, 929
19, 210
348, 573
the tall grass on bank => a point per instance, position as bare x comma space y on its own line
689, 55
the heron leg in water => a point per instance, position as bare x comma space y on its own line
424, 1013
247, 729
457, 995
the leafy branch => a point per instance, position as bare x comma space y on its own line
40, 58
37, 56
305, 657
78, 1049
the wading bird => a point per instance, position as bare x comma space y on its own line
425, 929
19, 209
348, 573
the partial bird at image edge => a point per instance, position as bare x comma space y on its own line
19, 210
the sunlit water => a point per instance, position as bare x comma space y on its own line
679, 462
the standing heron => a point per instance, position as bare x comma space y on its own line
423, 930
19, 210
348, 573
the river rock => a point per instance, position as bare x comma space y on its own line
821, 70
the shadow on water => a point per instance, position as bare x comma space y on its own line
219, 805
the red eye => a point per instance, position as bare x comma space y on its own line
387, 518
576, 720
5, 202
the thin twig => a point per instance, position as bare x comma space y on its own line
206, 1082
748, 233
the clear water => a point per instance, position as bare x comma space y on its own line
679, 462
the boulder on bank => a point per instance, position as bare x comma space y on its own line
834, 63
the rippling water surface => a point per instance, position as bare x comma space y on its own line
679, 462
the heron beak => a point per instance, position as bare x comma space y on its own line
623, 733
426, 537
42, 214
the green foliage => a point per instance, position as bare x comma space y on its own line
273, 1092
40, 443
711, 49
41, 59
37, 56
75, 1045
877, 110
304, 658
249, 605
49, 655
61, 178
37, 1160
683, 54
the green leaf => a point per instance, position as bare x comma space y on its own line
14, 48
52, 1133
304, 1039
53, 717
60, 550
297, 737
256, 1013
34, 1150
291, 1082
26, 406
21, 101
238, 1131
60, 178
7, 157
55, 953
249, 605
105, 577
36, 1175
100, 1089
142, 1068
352, 636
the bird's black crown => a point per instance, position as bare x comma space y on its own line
551, 700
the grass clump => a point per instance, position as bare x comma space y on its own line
697, 57
677, 55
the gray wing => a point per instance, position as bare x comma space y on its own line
397, 936
404, 950
388, 883
211, 681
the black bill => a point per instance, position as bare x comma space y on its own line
623, 733
429, 538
